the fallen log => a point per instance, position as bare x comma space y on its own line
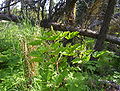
84, 32
60, 27
109, 85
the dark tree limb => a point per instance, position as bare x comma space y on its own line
10, 17
9, 5
84, 32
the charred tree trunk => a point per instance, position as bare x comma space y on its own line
38, 12
71, 11
7, 5
50, 8
43, 7
99, 46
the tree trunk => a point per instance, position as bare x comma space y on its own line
7, 5
50, 8
105, 27
43, 6
70, 12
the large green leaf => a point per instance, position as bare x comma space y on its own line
71, 35
36, 42
38, 59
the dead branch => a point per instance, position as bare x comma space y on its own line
9, 5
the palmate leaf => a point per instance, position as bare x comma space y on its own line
61, 35
92, 68
55, 37
43, 37
98, 54
37, 59
71, 35
55, 45
3, 58
35, 54
68, 54
43, 49
39, 52
55, 52
70, 50
77, 60
74, 47
36, 42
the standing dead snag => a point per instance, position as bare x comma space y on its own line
30, 68
105, 27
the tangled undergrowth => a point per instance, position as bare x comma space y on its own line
55, 71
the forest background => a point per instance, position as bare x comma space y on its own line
63, 45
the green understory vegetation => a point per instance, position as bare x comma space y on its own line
55, 71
